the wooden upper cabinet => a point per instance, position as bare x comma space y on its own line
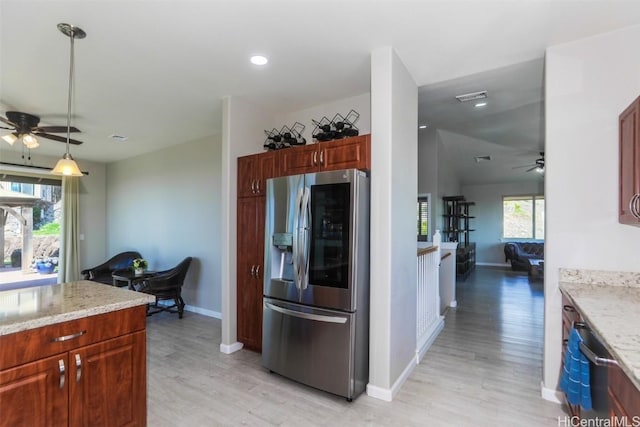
253, 171
629, 198
347, 153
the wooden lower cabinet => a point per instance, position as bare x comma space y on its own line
624, 397
102, 383
33, 394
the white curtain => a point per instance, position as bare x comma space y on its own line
69, 267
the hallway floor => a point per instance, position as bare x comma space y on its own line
483, 370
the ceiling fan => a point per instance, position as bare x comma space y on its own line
538, 166
25, 126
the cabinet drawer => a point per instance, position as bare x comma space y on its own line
26, 346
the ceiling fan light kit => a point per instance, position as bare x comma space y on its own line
67, 166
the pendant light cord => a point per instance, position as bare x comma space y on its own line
71, 37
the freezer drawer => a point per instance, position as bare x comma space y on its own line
313, 346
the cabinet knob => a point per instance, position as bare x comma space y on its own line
253, 271
315, 158
257, 271
253, 186
322, 157
258, 186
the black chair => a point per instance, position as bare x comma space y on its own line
102, 273
166, 285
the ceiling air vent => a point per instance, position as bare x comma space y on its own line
480, 159
472, 96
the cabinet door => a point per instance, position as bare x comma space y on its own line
107, 383
267, 168
347, 153
246, 176
35, 394
629, 127
299, 160
249, 271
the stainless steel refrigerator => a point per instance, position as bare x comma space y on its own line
316, 280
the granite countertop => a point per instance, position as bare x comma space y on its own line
29, 308
608, 302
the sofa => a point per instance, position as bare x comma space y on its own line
519, 253
103, 273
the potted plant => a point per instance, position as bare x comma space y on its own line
140, 265
45, 265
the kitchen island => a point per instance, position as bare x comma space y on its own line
73, 354
608, 303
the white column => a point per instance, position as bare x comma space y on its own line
394, 177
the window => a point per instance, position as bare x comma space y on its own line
523, 217
424, 203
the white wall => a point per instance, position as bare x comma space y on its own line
394, 112
360, 103
167, 205
588, 84
434, 175
92, 206
488, 216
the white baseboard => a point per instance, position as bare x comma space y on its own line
494, 264
453, 304
203, 311
550, 394
435, 331
387, 394
230, 348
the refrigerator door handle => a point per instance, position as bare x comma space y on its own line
306, 212
307, 316
296, 237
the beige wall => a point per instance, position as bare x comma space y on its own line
167, 205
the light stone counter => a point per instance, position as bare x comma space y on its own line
610, 304
29, 308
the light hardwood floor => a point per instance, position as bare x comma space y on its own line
483, 370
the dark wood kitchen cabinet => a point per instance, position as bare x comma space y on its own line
624, 396
347, 153
251, 212
629, 165
96, 376
253, 172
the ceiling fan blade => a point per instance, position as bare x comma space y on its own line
58, 138
522, 166
533, 168
2, 127
2, 119
54, 129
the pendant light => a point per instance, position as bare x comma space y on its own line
67, 166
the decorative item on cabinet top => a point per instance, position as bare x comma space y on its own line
285, 137
338, 128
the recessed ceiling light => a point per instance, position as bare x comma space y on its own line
422, 126
472, 96
259, 60
481, 104
480, 159
120, 138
